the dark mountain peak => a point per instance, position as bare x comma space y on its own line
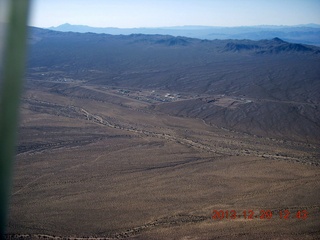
174, 41
278, 40
158, 39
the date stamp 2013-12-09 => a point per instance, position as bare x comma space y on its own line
262, 214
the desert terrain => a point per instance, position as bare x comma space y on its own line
114, 155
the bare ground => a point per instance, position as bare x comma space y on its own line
97, 163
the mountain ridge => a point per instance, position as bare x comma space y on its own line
277, 80
305, 34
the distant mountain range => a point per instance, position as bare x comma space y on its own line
305, 34
275, 83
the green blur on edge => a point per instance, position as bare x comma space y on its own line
12, 72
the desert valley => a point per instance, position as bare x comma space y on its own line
162, 137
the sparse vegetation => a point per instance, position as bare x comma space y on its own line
139, 144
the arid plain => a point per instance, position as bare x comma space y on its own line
103, 161
115, 168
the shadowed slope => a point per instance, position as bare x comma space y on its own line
279, 81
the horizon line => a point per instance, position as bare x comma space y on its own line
182, 26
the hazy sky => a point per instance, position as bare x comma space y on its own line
160, 13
